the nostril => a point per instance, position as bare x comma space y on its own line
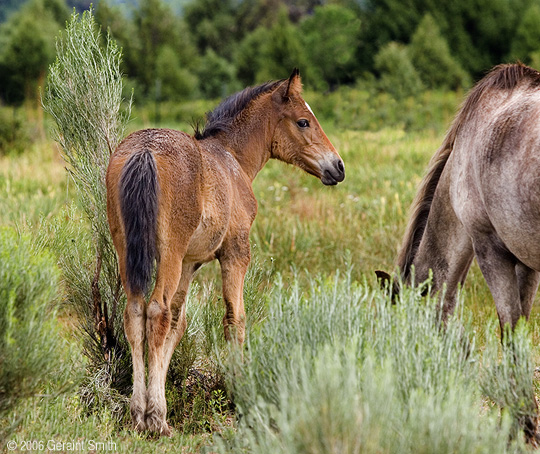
340, 166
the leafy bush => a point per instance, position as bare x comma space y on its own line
331, 37
84, 97
432, 59
526, 42
398, 74
30, 341
14, 136
339, 369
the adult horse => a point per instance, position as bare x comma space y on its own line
181, 201
481, 198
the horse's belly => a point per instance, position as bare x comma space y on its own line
206, 240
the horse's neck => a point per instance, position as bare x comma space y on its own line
250, 140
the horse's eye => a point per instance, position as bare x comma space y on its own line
303, 123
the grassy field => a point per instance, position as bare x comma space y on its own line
329, 365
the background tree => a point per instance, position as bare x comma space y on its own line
217, 76
213, 25
175, 82
479, 32
330, 37
282, 51
527, 39
28, 48
398, 75
430, 55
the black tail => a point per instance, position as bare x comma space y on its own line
139, 207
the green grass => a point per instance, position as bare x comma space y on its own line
316, 349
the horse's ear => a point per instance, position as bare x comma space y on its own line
386, 281
289, 87
383, 278
294, 85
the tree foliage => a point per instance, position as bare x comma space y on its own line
178, 50
28, 47
330, 38
431, 56
527, 39
399, 77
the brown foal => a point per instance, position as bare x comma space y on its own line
180, 201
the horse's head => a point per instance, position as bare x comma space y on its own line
299, 139
387, 282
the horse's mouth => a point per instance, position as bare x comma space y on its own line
334, 174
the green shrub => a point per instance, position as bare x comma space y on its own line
84, 97
30, 342
430, 55
14, 134
526, 42
339, 369
398, 74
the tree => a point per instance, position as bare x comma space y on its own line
282, 51
479, 32
330, 37
156, 26
213, 25
28, 48
217, 76
430, 55
248, 58
175, 82
398, 75
526, 42
122, 29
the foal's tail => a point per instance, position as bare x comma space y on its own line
139, 207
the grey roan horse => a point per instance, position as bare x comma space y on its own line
481, 198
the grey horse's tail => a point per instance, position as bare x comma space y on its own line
139, 190
502, 77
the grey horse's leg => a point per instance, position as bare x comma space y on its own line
513, 288
498, 266
528, 280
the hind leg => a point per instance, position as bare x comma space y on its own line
498, 265
234, 263
528, 280
134, 326
158, 325
512, 288
134, 322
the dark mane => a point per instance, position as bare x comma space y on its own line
501, 77
221, 118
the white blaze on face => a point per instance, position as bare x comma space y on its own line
309, 108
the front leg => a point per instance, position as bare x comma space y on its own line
234, 260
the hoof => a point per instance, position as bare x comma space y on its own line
137, 419
157, 425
